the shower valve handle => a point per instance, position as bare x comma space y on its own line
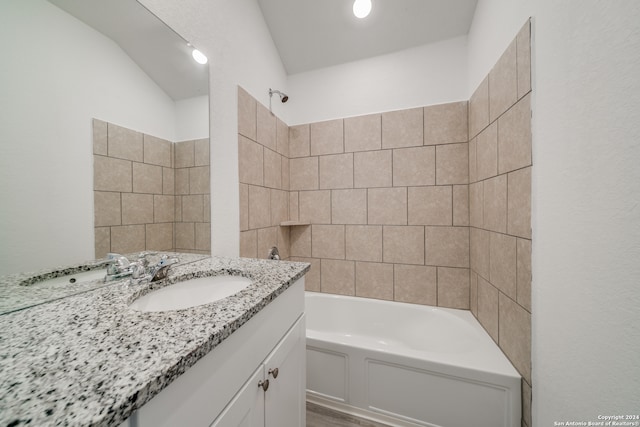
274, 372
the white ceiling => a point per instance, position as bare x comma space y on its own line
311, 34
158, 50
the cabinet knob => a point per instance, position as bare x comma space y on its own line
264, 384
274, 372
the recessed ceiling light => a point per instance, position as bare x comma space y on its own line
199, 56
361, 8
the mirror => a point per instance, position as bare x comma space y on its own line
66, 63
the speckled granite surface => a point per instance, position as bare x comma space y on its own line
89, 360
18, 291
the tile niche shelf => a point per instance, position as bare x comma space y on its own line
293, 223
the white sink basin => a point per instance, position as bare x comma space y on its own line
191, 293
85, 276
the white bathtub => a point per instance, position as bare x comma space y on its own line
407, 365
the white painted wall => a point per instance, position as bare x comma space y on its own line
586, 192
192, 118
237, 42
56, 75
425, 75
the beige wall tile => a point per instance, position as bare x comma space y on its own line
526, 403
312, 278
267, 238
502, 260
157, 151
203, 236
488, 308
414, 166
364, 242
266, 128
372, 169
415, 284
137, 208
168, 181
272, 169
202, 152
299, 141
303, 173
403, 244
514, 137
206, 201
259, 207
476, 204
515, 335
163, 208
159, 237
374, 280
519, 203
106, 209
447, 246
111, 174
127, 239
192, 208
282, 138
480, 250
523, 41
249, 244
473, 293
336, 171
178, 204
300, 240
487, 152
337, 277
453, 287
147, 178
124, 143
293, 206
446, 123
363, 133
403, 128
495, 204
387, 206
523, 273
247, 121
473, 164
102, 242
250, 161
199, 180
285, 173
182, 181
461, 205
185, 154
315, 206
284, 242
503, 83
185, 235
349, 206
430, 205
327, 137
279, 206
100, 143
452, 164
479, 109
327, 241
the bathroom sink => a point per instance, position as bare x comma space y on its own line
70, 279
191, 293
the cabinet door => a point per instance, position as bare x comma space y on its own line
247, 407
285, 399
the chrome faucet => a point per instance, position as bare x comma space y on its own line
142, 272
118, 266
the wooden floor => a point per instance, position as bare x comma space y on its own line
319, 416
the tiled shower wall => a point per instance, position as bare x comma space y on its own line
140, 198
263, 152
500, 206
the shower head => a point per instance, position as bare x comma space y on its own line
283, 96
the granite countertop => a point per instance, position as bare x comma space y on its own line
22, 290
89, 360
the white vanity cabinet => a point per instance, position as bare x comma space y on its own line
281, 403
221, 389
